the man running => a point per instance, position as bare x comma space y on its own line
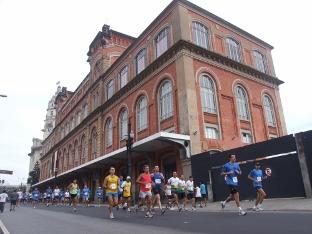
49, 195
256, 176
158, 180
174, 183
20, 197
145, 182
182, 190
56, 193
111, 184
231, 170
3, 197
190, 192
35, 195
99, 195
73, 190
120, 190
203, 191
86, 195
66, 197
126, 194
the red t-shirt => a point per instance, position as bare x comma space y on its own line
146, 178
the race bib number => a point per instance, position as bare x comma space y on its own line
235, 179
148, 186
259, 179
113, 186
35, 195
157, 181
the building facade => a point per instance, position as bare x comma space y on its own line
191, 82
35, 154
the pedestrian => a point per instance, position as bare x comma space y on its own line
256, 175
3, 198
111, 184
35, 195
13, 200
174, 183
73, 190
168, 195
86, 195
198, 196
120, 191
231, 170
182, 191
158, 180
56, 193
204, 193
145, 182
190, 196
99, 195
48, 195
20, 197
126, 194
66, 198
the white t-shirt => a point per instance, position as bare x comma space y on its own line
168, 190
56, 192
3, 197
174, 182
66, 194
190, 186
198, 194
182, 184
20, 194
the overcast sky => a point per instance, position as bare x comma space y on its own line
42, 42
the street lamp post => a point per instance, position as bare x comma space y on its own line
129, 143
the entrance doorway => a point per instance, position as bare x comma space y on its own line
169, 166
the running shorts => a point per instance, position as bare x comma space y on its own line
233, 189
143, 195
190, 195
111, 195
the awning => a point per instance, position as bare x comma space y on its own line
149, 144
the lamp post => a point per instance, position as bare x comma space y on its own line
129, 143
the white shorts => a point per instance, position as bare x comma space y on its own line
143, 195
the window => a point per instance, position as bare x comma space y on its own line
233, 49
242, 104
212, 133
246, 137
165, 100
67, 128
162, 42
123, 124
76, 154
78, 118
123, 77
85, 110
62, 132
83, 148
207, 90
94, 142
140, 61
259, 61
109, 132
272, 136
72, 123
109, 89
269, 110
200, 35
142, 114
95, 101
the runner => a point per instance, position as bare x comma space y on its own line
99, 195
182, 191
231, 170
168, 195
198, 196
158, 180
66, 197
20, 197
13, 199
35, 195
256, 176
174, 183
56, 193
111, 184
3, 198
49, 195
203, 191
145, 182
86, 195
190, 192
120, 190
73, 190
126, 186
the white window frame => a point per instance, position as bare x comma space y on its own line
259, 61
269, 110
201, 35
242, 103
123, 124
162, 42
142, 113
165, 100
109, 89
109, 133
233, 48
140, 61
244, 139
123, 77
216, 133
208, 94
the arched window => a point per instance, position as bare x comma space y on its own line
208, 94
200, 35
76, 154
162, 41
109, 132
123, 124
72, 123
85, 110
259, 61
165, 100
233, 49
65, 155
109, 89
140, 61
94, 143
70, 156
142, 114
269, 110
123, 77
83, 149
242, 103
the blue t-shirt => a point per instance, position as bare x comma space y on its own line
35, 195
231, 179
257, 175
49, 192
86, 192
99, 193
61, 193
203, 189
119, 187
157, 178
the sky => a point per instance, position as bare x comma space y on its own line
43, 42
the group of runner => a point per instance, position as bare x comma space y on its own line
152, 188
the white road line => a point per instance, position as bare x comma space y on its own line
3, 228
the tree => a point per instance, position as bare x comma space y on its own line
34, 174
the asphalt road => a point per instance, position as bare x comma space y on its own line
61, 220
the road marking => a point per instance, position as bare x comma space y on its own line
3, 228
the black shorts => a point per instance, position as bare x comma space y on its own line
190, 195
13, 202
181, 195
233, 189
56, 197
156, 190
204, 196
73, 195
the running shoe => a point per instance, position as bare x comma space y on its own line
162, 212
128, 210
148, 215
222, 205
242, 213
111, 216
180, 209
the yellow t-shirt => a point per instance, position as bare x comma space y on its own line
127, 189
112, 184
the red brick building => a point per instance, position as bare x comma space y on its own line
191, 82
